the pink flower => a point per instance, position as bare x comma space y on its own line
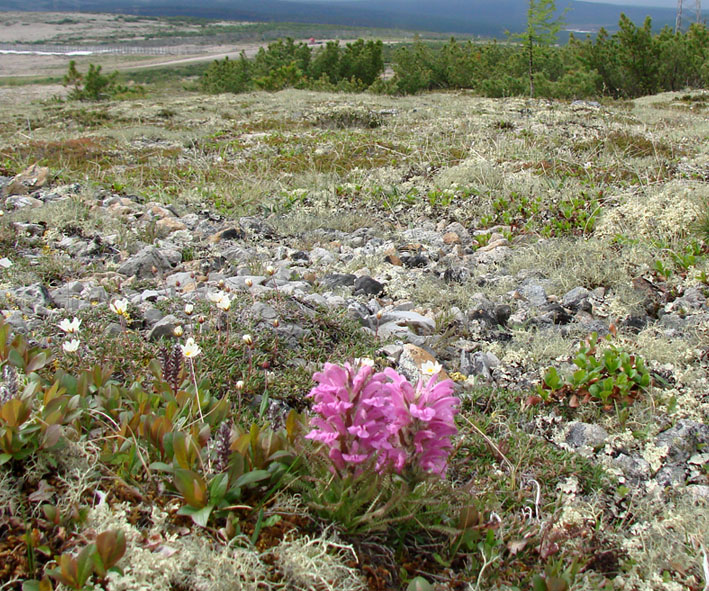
351, 422
380, 416
423, 420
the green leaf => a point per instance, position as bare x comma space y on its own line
192, 487
84, 564
218, 487
419, 584
538, 583
110, 547
162, 467
552, 379
4, 458
251, 477
37, 362
199, 516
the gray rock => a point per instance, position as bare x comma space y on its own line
671, 475
368, 286
699, 492
415, 322
392, 352
502, 314
577, 299
322, 256
580, 434
97, 294
33, 296
164, 328
239, 281
152, 315
184, 280
478, 364
334, 280
148, 260
360, 312
21, 201
533, 291
261, 311
298, 288
692, 299
635, 468
16, 320
683, 439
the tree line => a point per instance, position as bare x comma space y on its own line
631, 62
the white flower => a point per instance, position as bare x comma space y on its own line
70, 326
120, 307
224, 303
248, 283
248, 339
190, 349
178, 331
270, 270
215, 296
71, 346
431, 368
240, 385
189, 308
362, 361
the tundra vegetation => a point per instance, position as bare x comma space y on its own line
269, 442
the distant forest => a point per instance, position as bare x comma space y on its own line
487, 18
631, 62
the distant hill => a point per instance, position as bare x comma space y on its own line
479, 17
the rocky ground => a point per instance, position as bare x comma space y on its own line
462, 258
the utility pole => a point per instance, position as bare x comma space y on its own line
678, 19
698, 8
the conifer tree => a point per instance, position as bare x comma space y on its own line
542, 28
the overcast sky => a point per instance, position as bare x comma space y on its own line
686, 4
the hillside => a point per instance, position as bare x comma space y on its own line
550, 256
482, 17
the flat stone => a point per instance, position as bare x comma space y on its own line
21, 202
182, 280
322, 256
699, 492
168, 225
412, 359
634, 468
533, 292
149, 260
683, 439
574, 298
164, 328
672, 475
368, 286
30, 179
478, 363
580, 434
417, 323
334, 280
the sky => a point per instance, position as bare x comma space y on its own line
686, 4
